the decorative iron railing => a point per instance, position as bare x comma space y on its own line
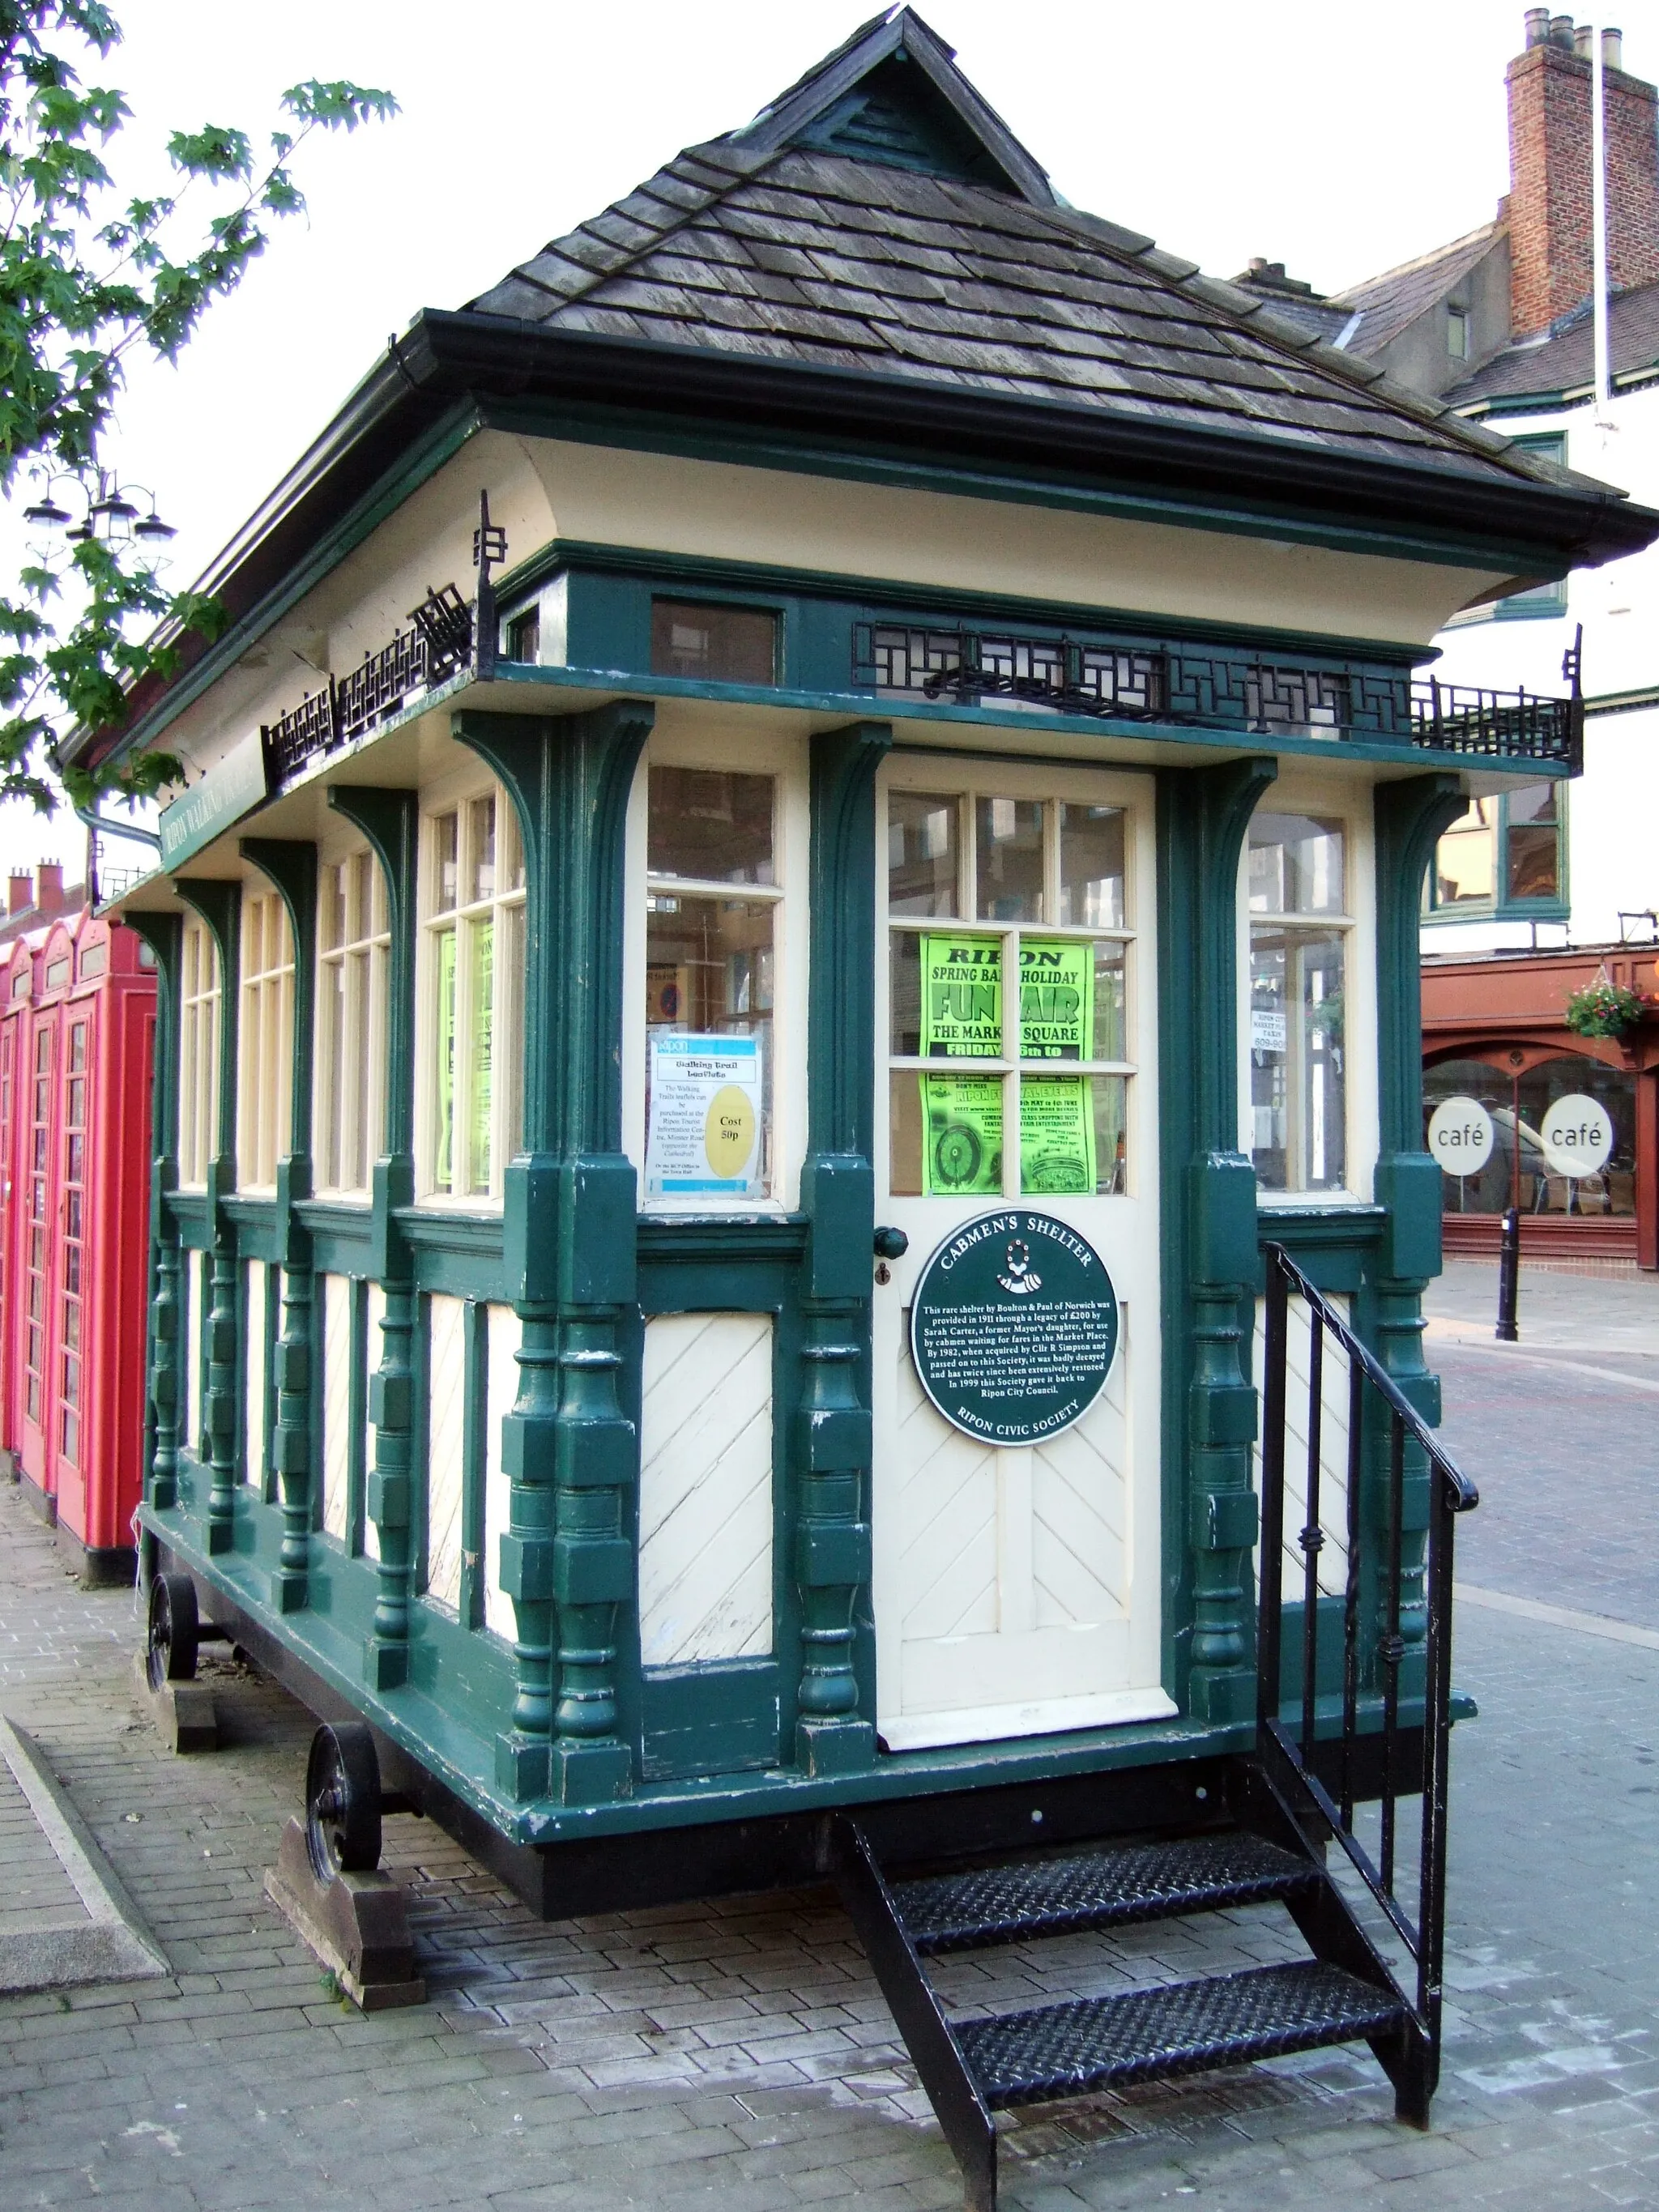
1313, 1759
1257, 698
348, 707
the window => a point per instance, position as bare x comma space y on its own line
725, 645
523, 635
1505, 856
1298, 895
1457, 333
264, 1091
474, 937
712, 890
355, 948
199, 1054
1518, 1171
1545, 602
1009, 952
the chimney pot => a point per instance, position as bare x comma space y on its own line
1538, 26
20, 892
1583, 38
1561, 32
1613, 50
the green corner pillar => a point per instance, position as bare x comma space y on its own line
834, 1731
163, 1396
1410, 818
391, 822
220, 906
291, 866
1210, 1242
570, 1453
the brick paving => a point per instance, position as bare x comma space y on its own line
737, 2054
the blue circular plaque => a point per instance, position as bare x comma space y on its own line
1014, 1327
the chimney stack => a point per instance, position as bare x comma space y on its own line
49, 887
19, 892
1549, 199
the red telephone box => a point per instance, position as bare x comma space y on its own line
76, 1043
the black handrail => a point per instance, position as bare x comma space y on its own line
1291, 1753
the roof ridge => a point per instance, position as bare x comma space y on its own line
1348, 296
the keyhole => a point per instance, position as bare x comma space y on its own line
884, 1272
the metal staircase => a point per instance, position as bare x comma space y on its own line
1381, 1736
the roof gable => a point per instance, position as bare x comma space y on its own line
893, 95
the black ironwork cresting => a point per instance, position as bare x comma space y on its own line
1319, 1791
1257, 698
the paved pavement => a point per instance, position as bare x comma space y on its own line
737, 2056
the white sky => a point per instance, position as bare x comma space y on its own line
1336, 137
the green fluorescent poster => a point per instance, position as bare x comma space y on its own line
962, 1018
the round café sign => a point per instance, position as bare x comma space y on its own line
1014, 1327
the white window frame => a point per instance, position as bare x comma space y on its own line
348, 1098
265, 1039
456, 795
1352, 806
971, 777
743, 753
201, 987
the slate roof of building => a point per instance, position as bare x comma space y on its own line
1392, 302
797, 254
1564, 361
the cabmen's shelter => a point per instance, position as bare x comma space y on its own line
789, 1203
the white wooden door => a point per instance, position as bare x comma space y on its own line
1017, 1589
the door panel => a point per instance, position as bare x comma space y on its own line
1017, 1590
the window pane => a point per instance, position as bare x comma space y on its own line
946, 1133
725, 645
708, 978
1091, 866
446, 845
956, 995
335, 1069
1070, 999
1296, 865
1533, 863
481, 850
1298, 1090
715, 827
1008, 841
511, 1028
1072, 1134
443, 1151
482, 1072
921, 853
334, 908
1465, 860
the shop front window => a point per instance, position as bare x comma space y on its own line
713, 892
353, 953
199, 1054
265, 1036
1505, 856
1296, 1034
1520, 1170
1009, 953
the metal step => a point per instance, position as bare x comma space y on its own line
1060, 2051
1105, 1888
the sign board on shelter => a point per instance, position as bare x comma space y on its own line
1014, 1327
229, 790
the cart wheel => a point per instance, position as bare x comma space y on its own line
170, 1640
342, 1802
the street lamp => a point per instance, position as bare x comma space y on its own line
109, 514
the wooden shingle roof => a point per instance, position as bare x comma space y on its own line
881, 261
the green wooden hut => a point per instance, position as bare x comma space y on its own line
849, 747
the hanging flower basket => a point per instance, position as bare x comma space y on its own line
1603, 1009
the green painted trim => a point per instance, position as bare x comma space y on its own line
688, 1242
1208, 1242
1229, 742
432, 1229
866, 461
766, 580
219, 905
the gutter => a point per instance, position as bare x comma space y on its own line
448, 362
